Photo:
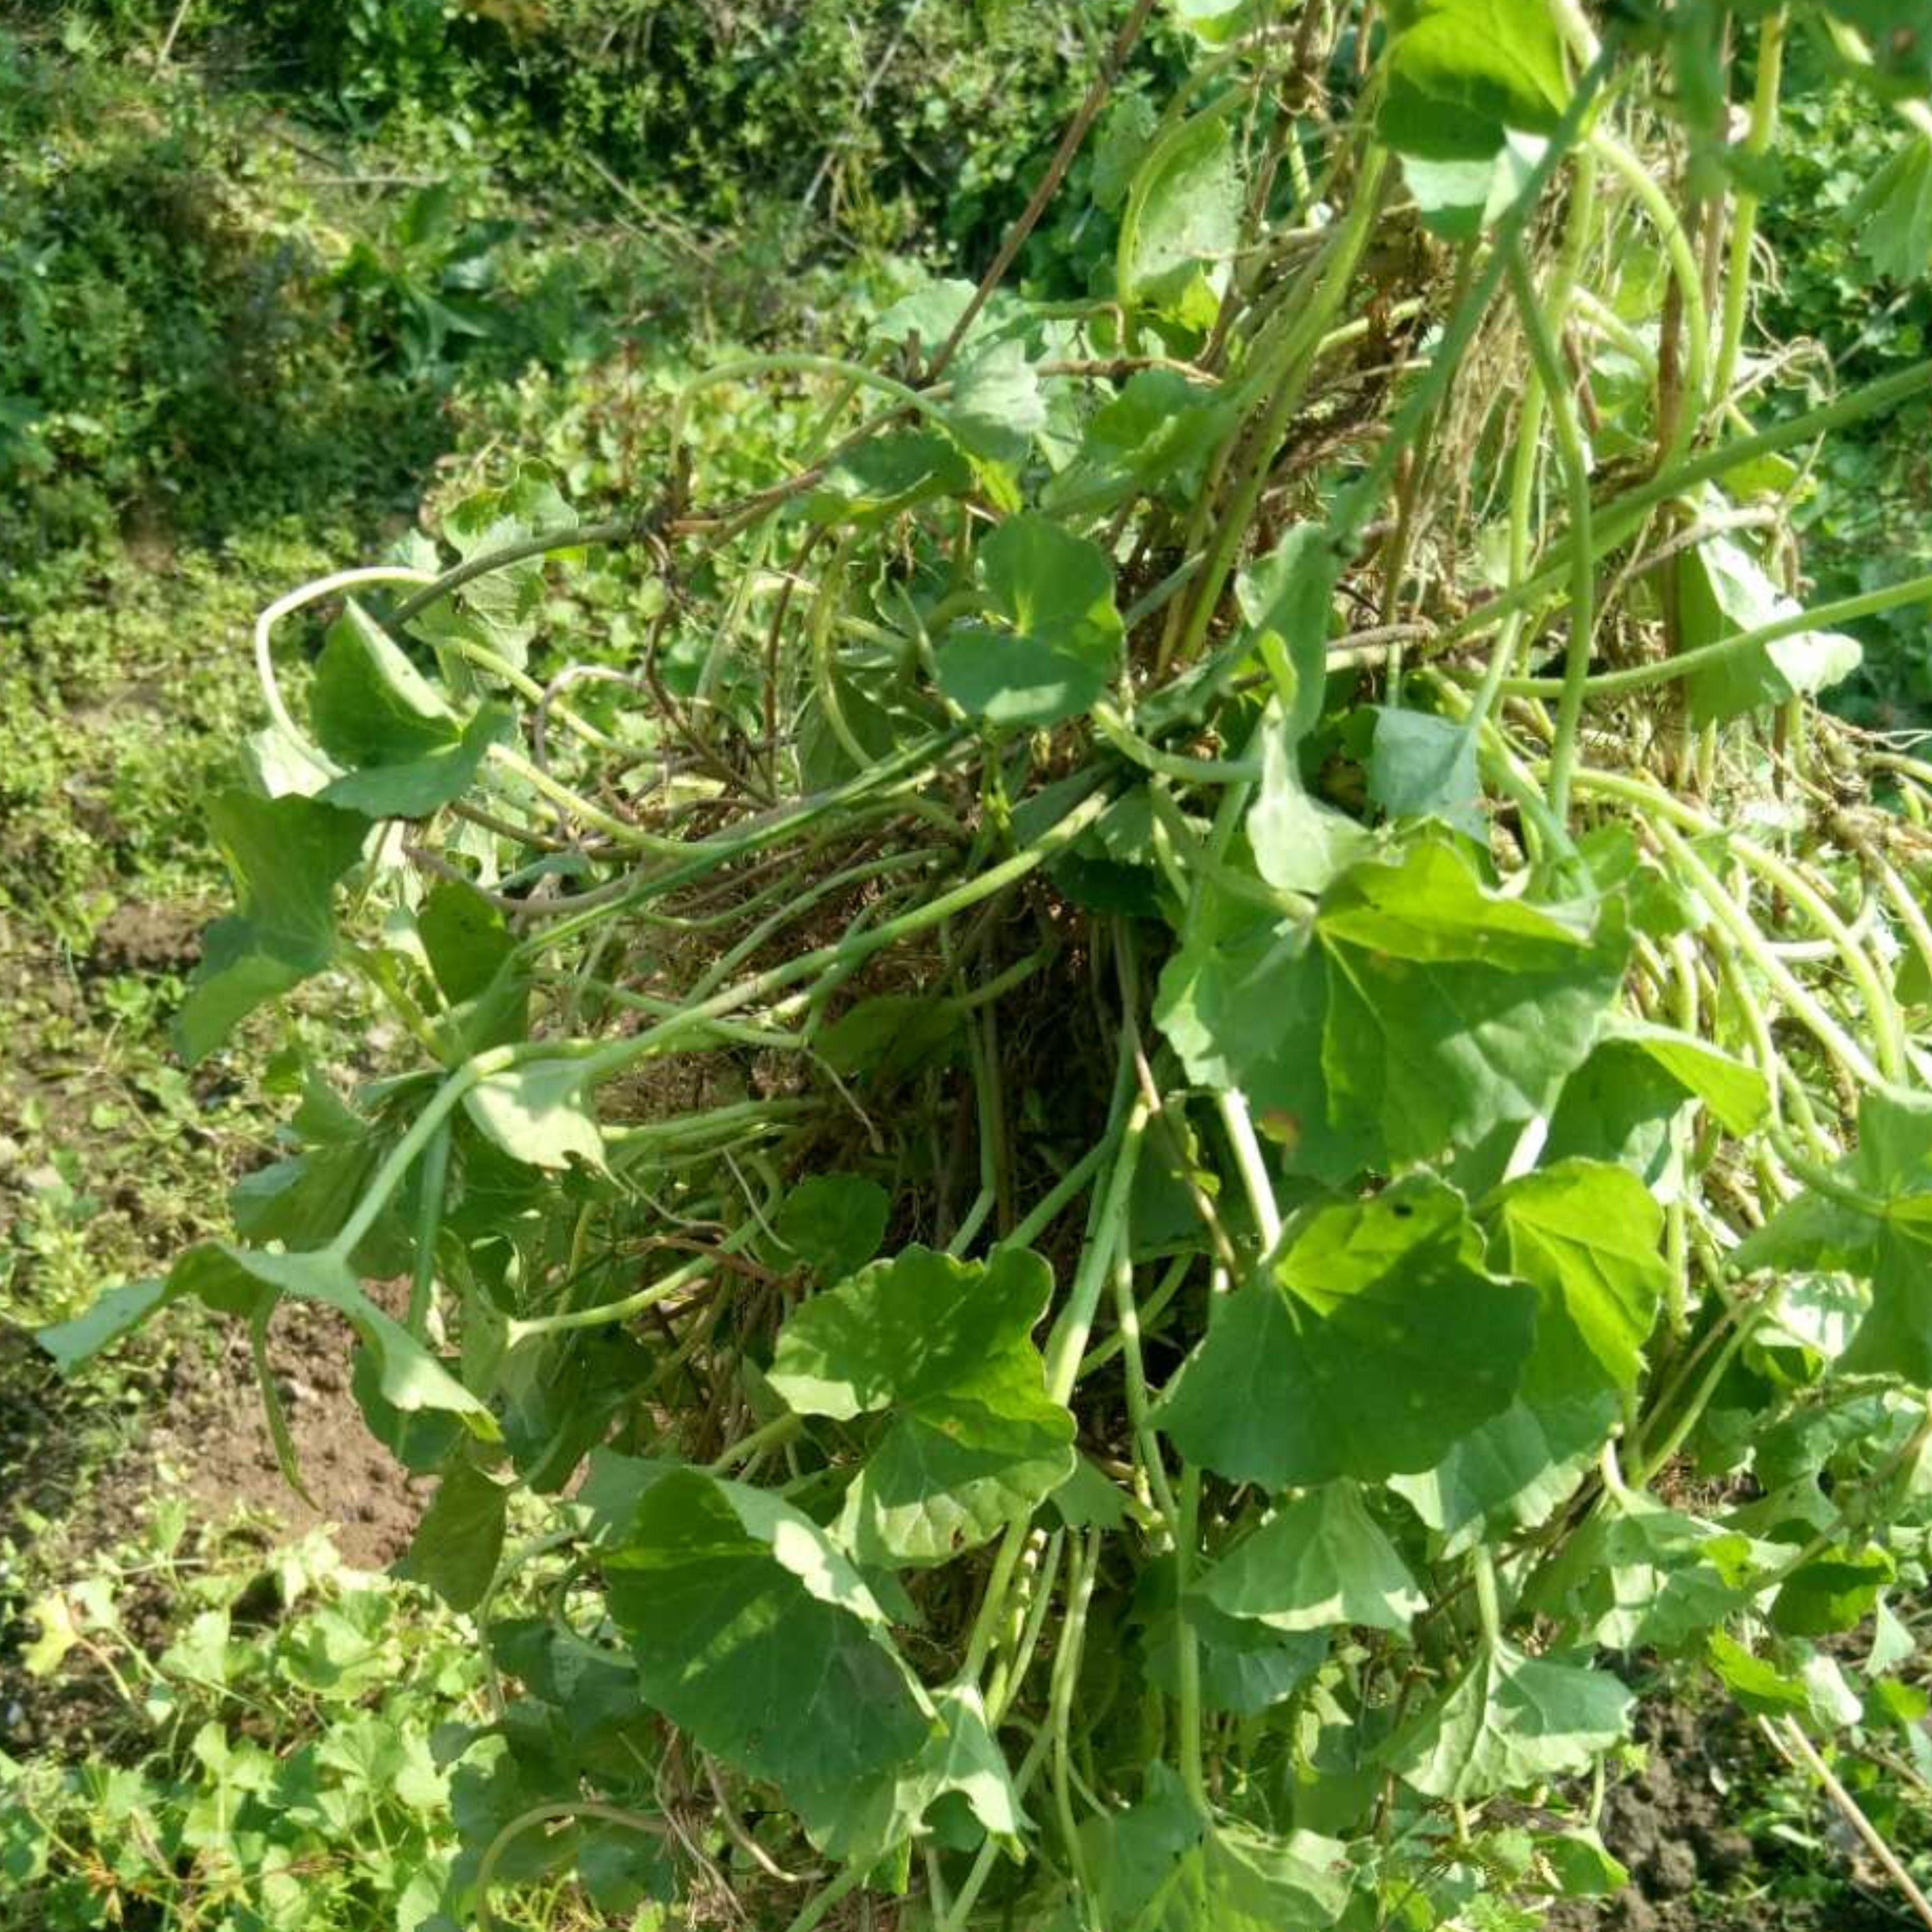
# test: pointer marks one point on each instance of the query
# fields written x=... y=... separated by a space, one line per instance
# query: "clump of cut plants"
x=1160 y=1121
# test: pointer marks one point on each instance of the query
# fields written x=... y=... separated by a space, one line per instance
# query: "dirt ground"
x=1674 y=1828
x=206 y=1435
x=198 y=1432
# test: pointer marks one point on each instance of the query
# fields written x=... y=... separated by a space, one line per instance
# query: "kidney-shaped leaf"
x=1510 y=1721
x=1056 y=592
x=975 y=1440
x=1374 y=1340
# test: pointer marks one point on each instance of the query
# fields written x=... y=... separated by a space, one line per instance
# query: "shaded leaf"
x=456 y=1546
x=834 y=1223
x=753 y=1632
x=1425 y=767
x=1056 y=591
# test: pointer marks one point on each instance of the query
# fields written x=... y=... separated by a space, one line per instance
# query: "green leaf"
x=539 y=1113
x=417 y=788
x=620 y=1867
x=952 y=1470
x=753 y=1633
x=506 y=601
x=891 y=1036
x=1724 y=591
x=1582 y=1867
x=928 y=316
x=1125 y=129
x=456 y=1545
x=1621 y=1105
x=1418 y=1011
x=407 y=750
x=369 y=705
x=1457 y=199
x=1089 y=1500
x=410 y=1377
x=1056 y=593
x=1300 y=844
x=1892 y=220
x=1215 y=22
x=1155 y=437
x=922 y=1324
x=997 y=408
x=961 y=1756
x=115 y=1312
x=1463 y=72
x=1425 y=767
x=1891 y=1169
x=467 y=939
x=975 y=1441
x=285 y=855
x=1160 y=1867
x=1516 y=1470
x=1591 y=1235
x=1757 y=1684
x=1183 y=221
x=1428 y=907
x=887 y=476
x=472 y=953
x=1287 y=598
x=1738 y=1096
x=1508 y=1722
x=1895 y=1339
x=1835 y=1591
x=1451 y=1009
x=1645 y=1576
x=1373 y=1342
x=834 y=1223
x=304 y=1201
x=1318 y=1561
x=1244 y=1666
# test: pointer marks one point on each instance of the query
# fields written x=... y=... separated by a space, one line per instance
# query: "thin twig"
x=1790 y=1737
x=1049 y=183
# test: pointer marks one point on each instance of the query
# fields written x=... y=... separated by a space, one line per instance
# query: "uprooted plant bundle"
x=1153 y=1124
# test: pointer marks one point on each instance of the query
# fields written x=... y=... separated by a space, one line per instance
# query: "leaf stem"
x=1725 y=650
x=1562 y=411
x=1763 y=129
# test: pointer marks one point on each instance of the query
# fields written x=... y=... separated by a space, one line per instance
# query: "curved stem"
x=310 y=593
x=1758 y=139
x=1684 y=272
x=1562 y=408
